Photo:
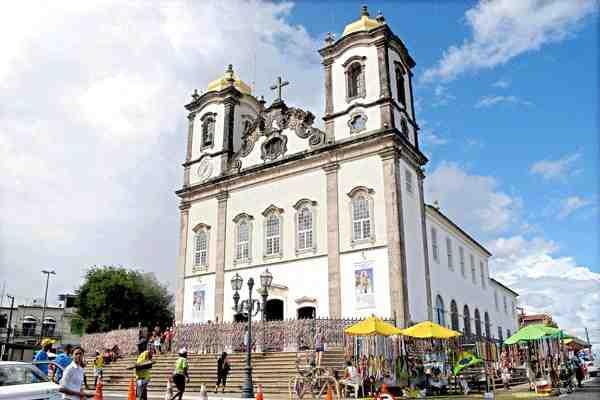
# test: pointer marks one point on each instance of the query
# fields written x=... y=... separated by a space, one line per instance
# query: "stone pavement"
x=590 y=391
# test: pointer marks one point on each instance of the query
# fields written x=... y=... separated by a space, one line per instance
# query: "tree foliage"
x=113 y=297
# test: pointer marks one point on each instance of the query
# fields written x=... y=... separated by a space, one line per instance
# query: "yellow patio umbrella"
x=429 y=330
x=372 y=326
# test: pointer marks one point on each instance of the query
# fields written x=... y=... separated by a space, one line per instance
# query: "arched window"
x=454 y=315
x=486 y=318
x=362 y=214
x=29 y=325
x=467 y=321
x=208 y=130
x=273 y=222
x=477 y=323
x=400 y=87
x=305 y=233
x=243 y=238
x=355 y=77
x=48 y=326
x=404 y=128
x=201 y=241
x=439 y=311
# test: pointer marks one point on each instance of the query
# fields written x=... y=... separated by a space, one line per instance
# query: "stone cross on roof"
x=277 y=86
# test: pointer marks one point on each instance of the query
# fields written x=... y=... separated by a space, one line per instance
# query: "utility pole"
x=587 y=336
x=8 y=329
x=48 y=273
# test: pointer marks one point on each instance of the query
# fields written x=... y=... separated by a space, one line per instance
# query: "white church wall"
x=339 y=77
x=450 y=284
x=283 y=193
x=244 y=111
x=367 y=172
x=208 y=168
x=413 y=240
x=203 y=211
x=377 y=299
x=199 y=298
x=292 y=280
x=219 y=109
x=394 y=57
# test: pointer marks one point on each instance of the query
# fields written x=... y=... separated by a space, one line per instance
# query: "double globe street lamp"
x=251 y=307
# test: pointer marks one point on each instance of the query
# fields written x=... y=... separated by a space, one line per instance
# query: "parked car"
x=592 y=367
x=23 y=381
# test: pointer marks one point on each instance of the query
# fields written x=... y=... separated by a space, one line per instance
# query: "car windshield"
x=20 y=374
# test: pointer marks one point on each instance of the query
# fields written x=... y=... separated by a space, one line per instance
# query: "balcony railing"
x=29 y=334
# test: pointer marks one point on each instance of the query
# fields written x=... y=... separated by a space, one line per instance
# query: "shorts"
x=320 y=349
x=179 y=381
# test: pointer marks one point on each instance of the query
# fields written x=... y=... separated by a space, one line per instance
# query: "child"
x=98 y=367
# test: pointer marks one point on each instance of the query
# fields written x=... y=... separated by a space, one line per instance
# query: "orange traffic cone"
x=260 y=395
x=329 y=395
x=98 y=395
x=131 y=390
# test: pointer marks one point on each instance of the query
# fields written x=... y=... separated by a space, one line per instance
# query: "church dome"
x=364 y=23
x=225 y=81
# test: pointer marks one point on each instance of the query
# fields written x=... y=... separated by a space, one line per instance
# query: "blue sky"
x=556 y=114
x=92 y=128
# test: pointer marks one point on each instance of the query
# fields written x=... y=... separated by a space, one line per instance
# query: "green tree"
x=113 y=297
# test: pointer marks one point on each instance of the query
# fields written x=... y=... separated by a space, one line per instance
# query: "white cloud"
x=555 y=169
x=485 y=211
x=442 y=96
x=547 y=283
x=489 y=101
x=501 y=83
x=572 y=204
x=92 y=124
x=504 y=29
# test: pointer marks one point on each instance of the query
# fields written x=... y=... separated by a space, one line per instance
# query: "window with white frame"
x=482 y=269
x=473 y=273
x=201 y=241
x=305 y=219
x=354 y=68
x=513 y=308
x=273 y=227
x=408 y=177
x=208 y=130
x=449 y=250
x=505 y=305
x=496 y=300
x=243 y=238
x=461 y=257
x=361 y=205
x=434 y=245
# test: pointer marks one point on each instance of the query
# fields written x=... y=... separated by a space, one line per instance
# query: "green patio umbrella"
x=534 y=332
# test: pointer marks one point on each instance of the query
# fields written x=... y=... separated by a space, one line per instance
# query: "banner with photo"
x=364 y=288
x=199 y=302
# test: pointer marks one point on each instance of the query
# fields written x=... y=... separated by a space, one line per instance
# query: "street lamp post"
x=48 y=273
x=12 y=304
x=252 y=308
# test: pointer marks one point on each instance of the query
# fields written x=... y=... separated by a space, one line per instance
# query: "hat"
x=46 y=342
x=183 y=350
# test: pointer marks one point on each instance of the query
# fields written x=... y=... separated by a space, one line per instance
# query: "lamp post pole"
x=264 y=294
x=8 y=329
x=48 y=273
x=252 y=307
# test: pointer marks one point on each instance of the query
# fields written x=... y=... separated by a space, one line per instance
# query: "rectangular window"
x=243 y=242
x=273 y=235
x=361 y=218
x=473 y=273
x=449 y=249
x=496 y=300
x=201 y=253
x=400 y=87
x=434 y=245
x=513 y=309
x=305 y=232
x=500 y=333
x=409 y=182
x=461 y=256
x=482 y=268
x=505 y=305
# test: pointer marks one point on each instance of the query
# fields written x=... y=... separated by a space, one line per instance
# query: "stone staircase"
x=272 y=370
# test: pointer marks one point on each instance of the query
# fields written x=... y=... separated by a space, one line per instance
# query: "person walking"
x=98 y=367
x=181 y=375
x=73 y=378
x=222 y=371
x=319 y=348
x=143 y=364
x=41 y=357
x=142 y=343
x=63 y=360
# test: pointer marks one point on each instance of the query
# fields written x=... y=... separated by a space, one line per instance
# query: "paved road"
x=590 y=391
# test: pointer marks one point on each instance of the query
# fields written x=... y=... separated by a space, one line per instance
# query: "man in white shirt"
x=72 y=378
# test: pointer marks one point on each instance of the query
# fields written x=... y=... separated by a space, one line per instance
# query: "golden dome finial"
x=229 y=79
x=364 y=23
x=365 y=11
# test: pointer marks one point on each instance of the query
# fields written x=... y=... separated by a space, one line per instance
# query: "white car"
x=592 y=367
x=23 y=381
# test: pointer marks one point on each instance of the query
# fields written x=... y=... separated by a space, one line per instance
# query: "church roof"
x=225 y=81
x=364 y=23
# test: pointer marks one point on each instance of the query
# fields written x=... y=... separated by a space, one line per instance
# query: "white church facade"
x=336 y=215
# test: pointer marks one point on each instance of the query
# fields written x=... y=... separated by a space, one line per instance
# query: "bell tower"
x=368 y=81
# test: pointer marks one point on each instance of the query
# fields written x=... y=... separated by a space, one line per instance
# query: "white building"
x=337 y=216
